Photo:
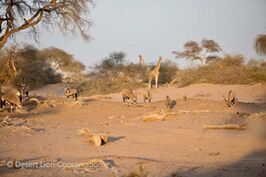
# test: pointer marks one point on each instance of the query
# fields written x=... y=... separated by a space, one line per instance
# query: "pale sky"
x=157 y=27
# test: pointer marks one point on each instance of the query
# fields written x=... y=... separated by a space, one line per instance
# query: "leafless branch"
x=67 y=15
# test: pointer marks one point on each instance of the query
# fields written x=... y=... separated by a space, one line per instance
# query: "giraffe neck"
x=157 y=68
x=141 y=60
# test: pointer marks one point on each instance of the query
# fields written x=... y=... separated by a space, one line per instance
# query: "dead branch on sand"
x=226 y=126
x=141 y=105
x=154 y=117
x=97 y=138
x=260 y=115
x=161 y=116
x=194 y=111
x=158 y=116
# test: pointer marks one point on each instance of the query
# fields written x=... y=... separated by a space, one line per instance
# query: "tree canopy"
x=260 y=44
x=114 y=60
x=62 y=60
x=194 y=51
x=67 y=15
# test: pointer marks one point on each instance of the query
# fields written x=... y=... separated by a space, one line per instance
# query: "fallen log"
x=141 y=105
x=194 y=111
x=226 y=126
x=154 y=117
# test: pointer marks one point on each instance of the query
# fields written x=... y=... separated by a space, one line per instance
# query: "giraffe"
x=155 y=73
x=141 y=60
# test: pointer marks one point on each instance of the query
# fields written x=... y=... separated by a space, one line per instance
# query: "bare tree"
x=67 y=15
x=194 y=51
x=260 y=44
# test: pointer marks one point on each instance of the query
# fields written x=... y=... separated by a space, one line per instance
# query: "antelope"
x=231 y=99
x=24 y=92
x=71 y=92
x=147 y=96
x=127 y=94
x=12 y=97
x=167 y=102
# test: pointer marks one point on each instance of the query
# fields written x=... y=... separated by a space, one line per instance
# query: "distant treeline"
x=40 y=67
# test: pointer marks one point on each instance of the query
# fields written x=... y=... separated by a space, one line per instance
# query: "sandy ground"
x=45 y=139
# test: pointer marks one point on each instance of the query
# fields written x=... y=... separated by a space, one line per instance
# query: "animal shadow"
x=172 y=104
x=113 y=138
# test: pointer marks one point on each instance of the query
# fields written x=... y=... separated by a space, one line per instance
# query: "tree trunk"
x=203 y=61
x=204 y=58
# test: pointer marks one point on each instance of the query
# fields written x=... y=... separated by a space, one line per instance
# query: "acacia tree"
x=260 y=44
x=193 y=51
x=67 y=15
x=112 y=62
x=118 y=58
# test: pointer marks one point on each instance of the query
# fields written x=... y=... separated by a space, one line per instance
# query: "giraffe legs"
x=156 y=77
x=150 y=79
x=156 y=80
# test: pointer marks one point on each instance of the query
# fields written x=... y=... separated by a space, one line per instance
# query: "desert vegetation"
x=122 y=117
x=107 y=77
x=115 y=72
x=260 y=44
x=69 y=17
x=52 y=65
x=204 y=52
x=231 y=69
x=37 y=67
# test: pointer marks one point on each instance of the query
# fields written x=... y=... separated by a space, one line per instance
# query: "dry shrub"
x=227 y=70
x=168 y=71
x=105 y=85
x=103 y=81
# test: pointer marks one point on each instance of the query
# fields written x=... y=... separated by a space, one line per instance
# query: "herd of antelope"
x=13 y=98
